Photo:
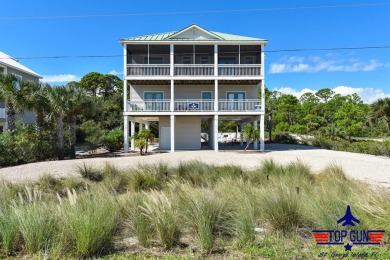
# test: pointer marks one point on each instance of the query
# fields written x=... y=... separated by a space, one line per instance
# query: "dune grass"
x=194 y=210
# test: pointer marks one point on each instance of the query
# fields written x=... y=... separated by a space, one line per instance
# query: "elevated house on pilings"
x=194 y=75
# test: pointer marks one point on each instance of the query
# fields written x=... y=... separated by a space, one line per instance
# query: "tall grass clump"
x=90 y=219
x=90 y=173
x=137 y=221
x=163 y=215
x=282 y=207
x=9 y=230
x=243 y=209
x=204 y=212
x=114 y=179
x=38 y=225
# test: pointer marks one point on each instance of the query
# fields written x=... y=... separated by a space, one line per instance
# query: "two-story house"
x=9 y=65
x=183 y=78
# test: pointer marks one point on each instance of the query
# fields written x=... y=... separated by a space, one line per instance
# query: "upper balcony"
x=194 y=60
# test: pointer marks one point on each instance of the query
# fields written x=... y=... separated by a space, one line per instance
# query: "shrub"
x=90 y=131
x=9 y=230
x=113 y=140
x=284 y=138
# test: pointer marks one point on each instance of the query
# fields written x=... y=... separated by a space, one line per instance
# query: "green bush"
x=284 y=138
x=113 y=140
x=90 y=131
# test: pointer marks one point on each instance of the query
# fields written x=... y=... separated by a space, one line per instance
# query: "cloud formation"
x=115 y=72
x=59 y=78
x=316 y=63
x=368 y=95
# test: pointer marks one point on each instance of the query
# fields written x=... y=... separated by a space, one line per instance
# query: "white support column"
x=241 y=135
x=132 y=131
x=124 y=77
x=262 y=133
x=147 y=125
x=172 y=59
x=140 y=127
x=172 y=95
x=215 y=126
x=216 y=103
x=255 y=146
x=172 y=133
x=126 y=134
x=215 y=60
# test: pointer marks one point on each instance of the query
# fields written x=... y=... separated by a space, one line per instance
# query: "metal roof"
x=11 y=62
x=166 y=36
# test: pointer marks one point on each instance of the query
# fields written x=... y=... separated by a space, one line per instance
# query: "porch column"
x=215 y=126
x=132 y=131
x=125 y=107
x=241 y=135
x=140 y=127
x=255 y=146
x=147 y=125
x=215 y=60
x=172 y=95
x=216 y=96
x=126 y=134
x=172 y=59
x=262 y=133
x=172 y=133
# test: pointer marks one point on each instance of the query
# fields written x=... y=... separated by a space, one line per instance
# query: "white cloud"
x=59 y=78
x=316 y=63
x=115 y=72
x=368 y=95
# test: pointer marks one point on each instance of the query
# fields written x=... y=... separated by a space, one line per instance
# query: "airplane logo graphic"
x=348 y=218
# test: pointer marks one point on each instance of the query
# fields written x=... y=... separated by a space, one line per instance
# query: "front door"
x=153 y=101
x=206 y=100
x=236 y=100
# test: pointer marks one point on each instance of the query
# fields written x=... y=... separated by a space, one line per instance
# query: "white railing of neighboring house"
x=194 y=105
x=239 y=105
x=2 y=113
x=149 y=106
x=194 y=70
x=148 y=70
x=239 y=70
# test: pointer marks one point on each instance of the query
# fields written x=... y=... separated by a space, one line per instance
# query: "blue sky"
x=366 y=71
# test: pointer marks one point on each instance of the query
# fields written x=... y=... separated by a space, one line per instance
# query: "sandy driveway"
x=373 y=169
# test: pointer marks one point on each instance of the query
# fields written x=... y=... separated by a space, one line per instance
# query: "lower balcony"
x=195 y=105
x=2 y=113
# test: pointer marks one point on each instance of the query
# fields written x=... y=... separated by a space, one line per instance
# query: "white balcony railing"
x=239 y=70
x=2 y=113
x=194 y=69
x=139 y=70
x=148 y=70
x=194 y=105
x=239 y=105
x=150 y=106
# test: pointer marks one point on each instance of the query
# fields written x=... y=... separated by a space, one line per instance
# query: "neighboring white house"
x=9 y=65
x=183 y=78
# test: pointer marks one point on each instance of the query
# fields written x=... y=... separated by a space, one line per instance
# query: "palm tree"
x=57 y=99
x=10 y=93
x=250 y=133
x=381 y=109
x=36 y=100
x=77 y=102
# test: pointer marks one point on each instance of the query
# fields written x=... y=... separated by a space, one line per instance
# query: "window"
x=227 y=60
x=204 y=60
x=156 y=60
x=248 y=60
x=20 y=78
x=153 y=101
x=186 y=60
x=2 y=70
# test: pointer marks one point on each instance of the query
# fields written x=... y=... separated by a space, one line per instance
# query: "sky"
x=69 y=28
